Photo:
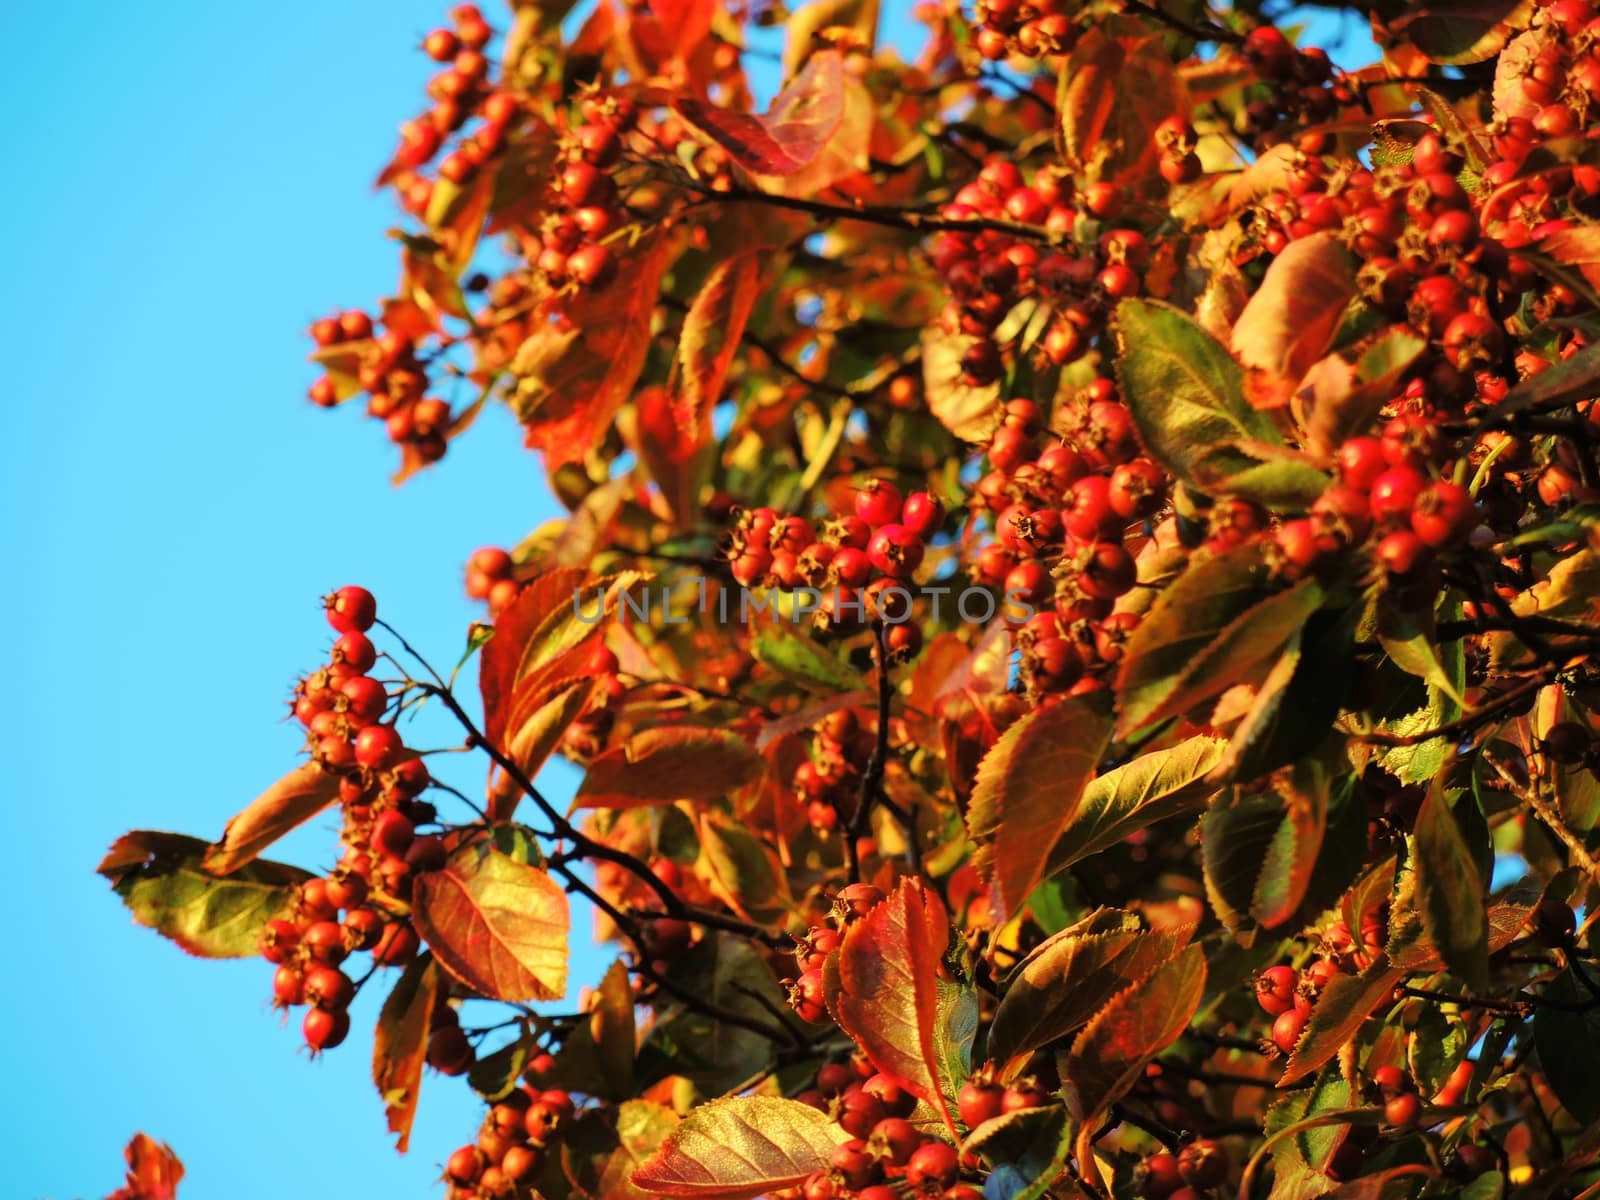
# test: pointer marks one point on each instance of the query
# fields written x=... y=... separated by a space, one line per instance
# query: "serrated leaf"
x=1342 y=1008
x=161 y=879
x=1450 y=891
x=288 y=803
x=889 y=965
x=668 y=763
x=1028 y=788
x=1292 y=853
x=1285 y=482
x=740 y=1147
x=1217 y=621
x=1290 y=321
x=642 y=1125
x=1153 y=787
x=400 y=1045
x=497 y=925
x=1109 y=1056
x=1409 y=638
x=1068 y=978
x=791 y=134
x=1458 y=32
x=1185 y=393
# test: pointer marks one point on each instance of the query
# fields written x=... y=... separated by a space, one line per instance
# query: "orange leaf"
x=498 y=925
x=665 y=764
x=1114 y=91
x=293 y=800
x=1290 y=321
x=792 y=133
x=711 y=334
x=400 y=1044
x=154 y=1171
x=1577 y=247
x=1027 y=791
x=888 y=1000
x=574 y=377
x=741 y=1147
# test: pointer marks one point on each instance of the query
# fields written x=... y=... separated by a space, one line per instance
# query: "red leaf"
x=888 y=1000
x=1290 y=321
x=740 y=1147
x=711 y=333
x=670 y=763
x=293 y=800
x=792 y=133
x=400 y=1044
x=1115 y=88
x=1109 y=1056
x=1577 y=247
x=498 y=925
x=154 y=1171
x=573 y=377
x=1027 y=791
x=519 y=635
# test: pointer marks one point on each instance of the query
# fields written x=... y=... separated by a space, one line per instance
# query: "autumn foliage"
x=1074 y=610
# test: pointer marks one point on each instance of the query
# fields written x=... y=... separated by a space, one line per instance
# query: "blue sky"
x=190 y=185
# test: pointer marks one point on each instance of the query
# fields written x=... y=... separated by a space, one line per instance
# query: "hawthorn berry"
x=351 y=609
x=325 y=1028
x=933 y=1165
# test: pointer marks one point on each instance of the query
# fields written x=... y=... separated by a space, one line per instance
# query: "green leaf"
x=1153 y=787
x=804 y=661
x=1566 y=1032
x=740 y=1147
x=642 y=1125
x=732 y=974
x=1409 y=638
x=1222 y=617
x=1292 y=854
x=1186 y=394
x=400 y=1045
x=1070 y=977
x=1346 y=397
x=1281 y=483
x=497 y=925
x=494 y=1076
x=160 y=878
x=1027 y=792
x=1236 y=836
x=1450 y=890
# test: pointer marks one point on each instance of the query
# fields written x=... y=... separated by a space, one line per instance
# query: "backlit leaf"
x=161 y=879
x=400 y=1046
x=1028 y=789
x=1186 y=394
x=1068 y=978
x=889 y=964
x=711 y=331
x=573 y=377
x=667 y=763
x=739 y=1147
x=1343 y=1006
x=497 y=925
x=291 y=801
x=642 y=1125
x=1109 y=1056
x=1154 y=786
x=1225 y=615
x=967 y=410
x=1290 y=321
x=154 y=1171
x=790 y=135
x=1115 y=87
x=1341 y=398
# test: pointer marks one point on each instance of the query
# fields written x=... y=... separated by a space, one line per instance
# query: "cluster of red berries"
x=1062 y=505
x=380 y=780
x=864 y=561
x=1305 y=88
x=518 y=1137
x=586 y=736
x=807 y=993
x=1196 y=1170
x=491 y=578
x=829 y=780
x=459 y=92
x=571 y=245
x=1029 y=28
x=1557 y=81
x=1288 y=995
x=388 y=367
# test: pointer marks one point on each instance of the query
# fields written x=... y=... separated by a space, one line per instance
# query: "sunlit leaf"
x=291 y=801
x=739 y=1147
x=667 y=763
x=791 y=134
x=1450 y=890
x=497 y=925
x=1290 y=321
x=161 y=879
x=400 y=1047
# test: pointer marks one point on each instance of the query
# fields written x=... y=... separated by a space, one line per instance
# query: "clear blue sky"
x=189 y=185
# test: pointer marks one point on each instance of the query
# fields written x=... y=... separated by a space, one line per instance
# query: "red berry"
x=329 y=987
x=1159 y=1176
x=1023 y=1095
x=351 y=609
x=325 y=1028
x=449 y=1052
x=1394 y=493
x=1275 y=989
x=894 y=1139
x=855 y=1167
x=325 y=942
x=978 y=1102
x=878 y=502
x=1203 y=1163
x=288 y=987
x=1401 y=553
x=464 y=1166
x=1286 y=1030
x=378 y=746
x=392 y=834
x=933 y=1165
x=1391 y=1080
x=1444 y=515
x=859 y=1113
x=922 y=514
x=1403 y=1110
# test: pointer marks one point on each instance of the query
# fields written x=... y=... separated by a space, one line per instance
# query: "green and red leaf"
x=740 y=1147
x=498 y=925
